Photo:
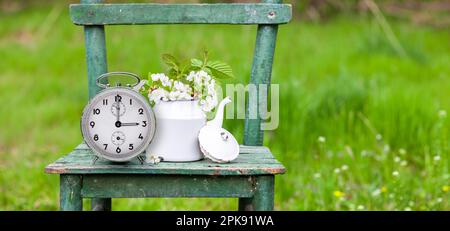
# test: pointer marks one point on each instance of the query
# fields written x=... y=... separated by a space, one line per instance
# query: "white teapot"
x=178 y=124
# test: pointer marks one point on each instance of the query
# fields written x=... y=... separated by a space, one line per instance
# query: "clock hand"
x=129 y=124
x=118 y=111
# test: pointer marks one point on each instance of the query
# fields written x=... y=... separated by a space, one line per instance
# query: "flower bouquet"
x=180 y=98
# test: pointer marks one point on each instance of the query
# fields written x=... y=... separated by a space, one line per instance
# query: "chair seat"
x=252 y=160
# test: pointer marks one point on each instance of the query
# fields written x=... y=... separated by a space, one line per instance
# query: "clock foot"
x=141 y=159
x=94 y=159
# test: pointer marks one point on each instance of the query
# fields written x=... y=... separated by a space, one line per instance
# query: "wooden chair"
x=249 y=178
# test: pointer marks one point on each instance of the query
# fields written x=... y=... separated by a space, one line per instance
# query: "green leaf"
x=220 y=70
x=171 y=61
x=172 y=73
x=196 y=63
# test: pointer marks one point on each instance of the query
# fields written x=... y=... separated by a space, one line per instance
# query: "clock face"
x=118 y=124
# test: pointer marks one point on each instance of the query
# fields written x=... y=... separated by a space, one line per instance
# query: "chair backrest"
x=94 y=15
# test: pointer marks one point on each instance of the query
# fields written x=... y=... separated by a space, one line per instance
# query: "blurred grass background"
x=362 y=126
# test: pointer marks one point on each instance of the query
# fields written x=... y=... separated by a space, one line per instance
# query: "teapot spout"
x=218 y=119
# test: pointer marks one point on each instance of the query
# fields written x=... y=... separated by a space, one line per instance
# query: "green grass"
x=379 y=112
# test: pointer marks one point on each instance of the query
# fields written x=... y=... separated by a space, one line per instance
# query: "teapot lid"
x=218 y=144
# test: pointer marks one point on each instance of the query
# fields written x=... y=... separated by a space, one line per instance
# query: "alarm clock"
x=118 y=123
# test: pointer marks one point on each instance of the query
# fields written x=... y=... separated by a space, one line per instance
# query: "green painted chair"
x=249 y=178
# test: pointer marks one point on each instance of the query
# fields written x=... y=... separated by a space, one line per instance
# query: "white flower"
x=407 y=209
x=202 y=74
x=364 y=153
x=344 y=167
x=395 y=173
x=402 y=151
x=211 y=88
x=166 y=81
x=209 y=103
x=156 y=77
x=377 y=192
x=157 y=95
x=360 y=207
x=173 y=95
x=379 y=137
x=191 y=75
x=397 y=159
x=321 y=139
x=437 y=158
x=403 y=163
x=185 y=96
x=337 y=170
x=386 y=148
x=442 y=113
x=200 y=86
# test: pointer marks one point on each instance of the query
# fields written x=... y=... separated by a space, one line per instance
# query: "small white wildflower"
x=407 y=209
x=386 y=148
x=360 y=207
x=337 y=170
x=395 y=173
x=317 y=175
x=403 y=163
x=439 y=200
x=379 y=137
x=157 y=95
x=173 y=95
x=437 y=158
x=363 y=153
x=156 y=76
x=166 y=82
x=442 y=113
x=376 y=193
x=402 y=151
x=344 y=167
x=191 y=75
x=321 y=139
x=397 y=159
x=185 y=96
x=209 y=103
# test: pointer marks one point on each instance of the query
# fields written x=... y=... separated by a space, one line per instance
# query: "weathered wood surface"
x=260 y=74
x=70 y=192
x=94 y=37
x=238 y=13
x=262 y=199
x=253 y=160
x=140 y=186
x=101 y=204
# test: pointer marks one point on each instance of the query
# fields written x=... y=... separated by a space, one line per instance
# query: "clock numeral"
x=92 y=124
x=131 y=101
x=118 y=150
x=118 y=98
x=144 y=123
x=96 y=111
x=105 y=101
x=95 y=137
x=130 y=147
x=140 y=136
x=106 y=146
x=141 y=111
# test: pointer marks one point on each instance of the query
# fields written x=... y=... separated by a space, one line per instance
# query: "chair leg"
x=70 y=192
x=101 y=204
x=262 y=200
